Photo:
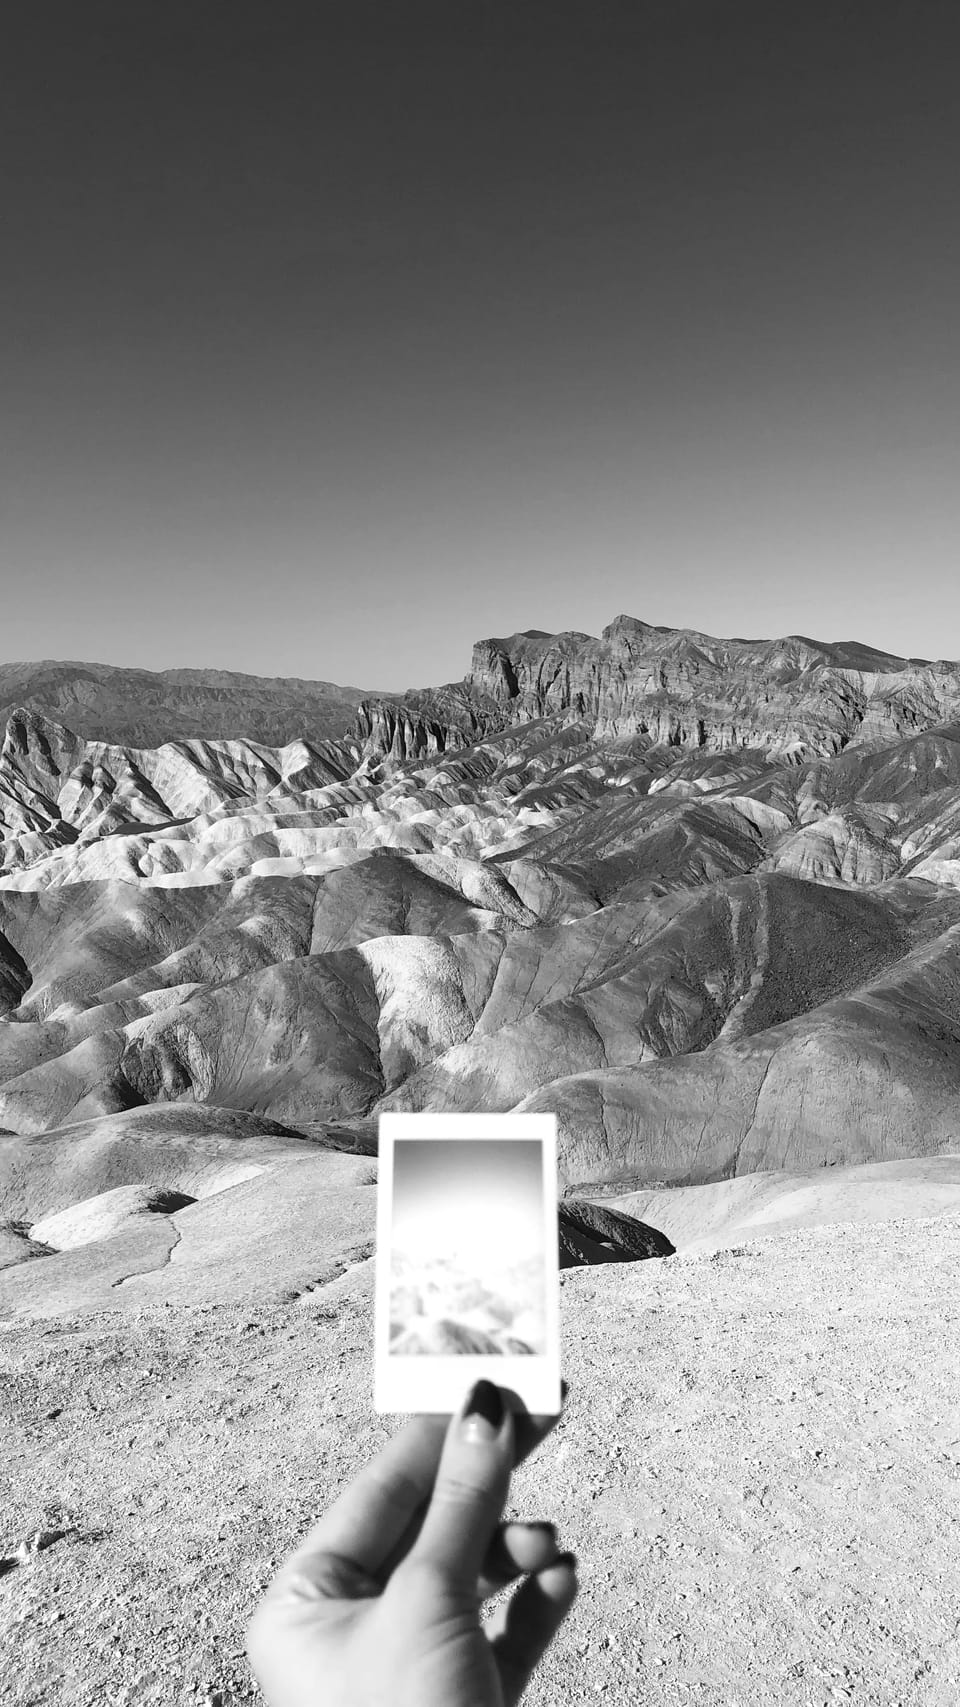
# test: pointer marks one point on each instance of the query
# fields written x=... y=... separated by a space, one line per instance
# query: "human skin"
x=380 y=1604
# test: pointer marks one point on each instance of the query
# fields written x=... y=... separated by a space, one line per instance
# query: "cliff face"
x=796 y=698
x=436 y=720
x=398 y=732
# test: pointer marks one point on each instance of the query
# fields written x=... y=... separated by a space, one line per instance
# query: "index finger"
x=528 y=1432
x=377 y=1517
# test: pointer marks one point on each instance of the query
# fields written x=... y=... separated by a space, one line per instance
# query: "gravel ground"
x=759 y=1468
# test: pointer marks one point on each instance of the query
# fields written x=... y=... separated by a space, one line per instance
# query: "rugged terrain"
x=701 y=898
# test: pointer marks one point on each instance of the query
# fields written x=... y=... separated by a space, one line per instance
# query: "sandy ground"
x=759 y=1468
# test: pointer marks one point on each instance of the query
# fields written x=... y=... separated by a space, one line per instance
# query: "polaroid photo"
x=467 y=1269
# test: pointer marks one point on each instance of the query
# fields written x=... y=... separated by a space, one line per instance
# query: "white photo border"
x=437 y=1385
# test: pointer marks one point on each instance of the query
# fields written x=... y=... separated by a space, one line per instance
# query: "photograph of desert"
x=455 y=1290
x=480 y=634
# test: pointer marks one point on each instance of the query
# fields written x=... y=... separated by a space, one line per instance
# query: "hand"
x=380 y=1606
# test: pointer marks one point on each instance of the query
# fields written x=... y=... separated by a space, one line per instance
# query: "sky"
x=339 y=335
x=479 y=1199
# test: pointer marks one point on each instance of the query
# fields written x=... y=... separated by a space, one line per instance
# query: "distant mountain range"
x=142 y=708
x=793 y=697
x=699 y=897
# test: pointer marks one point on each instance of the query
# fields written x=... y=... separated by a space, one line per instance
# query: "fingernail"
x=484 y=1413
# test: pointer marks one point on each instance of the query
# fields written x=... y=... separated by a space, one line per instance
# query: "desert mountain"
x=700 y=897
x=146 y=707
x=793 y=697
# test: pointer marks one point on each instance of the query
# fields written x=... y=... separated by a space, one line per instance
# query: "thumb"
x=470 y=1490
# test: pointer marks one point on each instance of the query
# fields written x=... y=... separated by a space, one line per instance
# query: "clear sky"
x=479 y=1200
x=338 y=335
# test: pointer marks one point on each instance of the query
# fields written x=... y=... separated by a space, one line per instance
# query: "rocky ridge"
x=795 y=698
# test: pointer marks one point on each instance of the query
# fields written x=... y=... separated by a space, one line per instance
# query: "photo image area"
x=467 y=1259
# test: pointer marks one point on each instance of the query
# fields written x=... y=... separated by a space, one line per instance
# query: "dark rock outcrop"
x=590 y=1234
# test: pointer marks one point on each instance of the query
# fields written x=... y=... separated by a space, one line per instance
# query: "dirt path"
x=759 y=1468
